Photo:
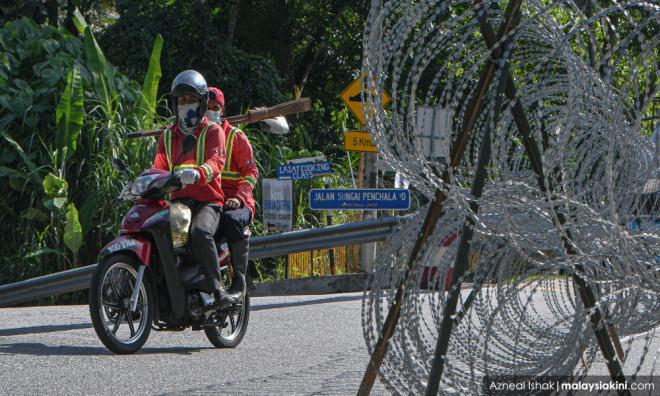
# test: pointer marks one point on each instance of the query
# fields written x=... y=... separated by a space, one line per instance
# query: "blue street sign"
x=303 y=170
x=360 y=199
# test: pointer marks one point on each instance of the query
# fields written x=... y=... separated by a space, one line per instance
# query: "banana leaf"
x=55 y=186
x=87 y=211
x=79 y=21
x=102 y=72
x=72 y=230
x=145 y=104
x=34 y=170
x=70 y=113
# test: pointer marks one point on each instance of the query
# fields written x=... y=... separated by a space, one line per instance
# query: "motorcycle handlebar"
x=172 y=183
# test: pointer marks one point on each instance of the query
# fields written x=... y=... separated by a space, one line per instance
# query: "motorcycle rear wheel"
x=109 y=296
x=233 y=331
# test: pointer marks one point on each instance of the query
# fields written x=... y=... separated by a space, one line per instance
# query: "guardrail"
x=260 y=247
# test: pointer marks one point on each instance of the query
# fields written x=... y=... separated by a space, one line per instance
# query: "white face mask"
x=188 y=117
x=214 y=116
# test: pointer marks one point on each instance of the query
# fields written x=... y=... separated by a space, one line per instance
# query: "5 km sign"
x=359 y=141
x=360 y=199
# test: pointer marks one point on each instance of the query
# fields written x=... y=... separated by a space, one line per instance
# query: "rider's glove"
x=188 y=176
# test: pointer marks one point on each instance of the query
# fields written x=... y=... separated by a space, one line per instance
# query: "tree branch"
x=311 y=54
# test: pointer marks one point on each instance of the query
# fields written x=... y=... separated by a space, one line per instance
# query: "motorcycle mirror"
x=189 y=144
x=277 y=125
x=119 y=165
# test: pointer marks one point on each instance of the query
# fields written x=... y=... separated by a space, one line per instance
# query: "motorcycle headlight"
x=140 y=185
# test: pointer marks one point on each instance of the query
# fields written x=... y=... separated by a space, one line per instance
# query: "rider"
x=239 y=177
x=198 y=171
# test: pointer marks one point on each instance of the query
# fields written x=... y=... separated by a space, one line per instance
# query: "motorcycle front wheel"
x=233 y=324
x=121 y=330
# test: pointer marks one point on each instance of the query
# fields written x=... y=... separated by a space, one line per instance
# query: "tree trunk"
x=52 y=10
x=311 y=54
x=285 y=47
x=231 y=22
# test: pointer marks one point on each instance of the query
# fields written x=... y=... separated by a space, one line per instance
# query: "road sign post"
x=368 y=251
x=328 y=219
x=353 y=96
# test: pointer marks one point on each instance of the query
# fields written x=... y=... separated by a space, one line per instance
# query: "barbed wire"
x=584 y=74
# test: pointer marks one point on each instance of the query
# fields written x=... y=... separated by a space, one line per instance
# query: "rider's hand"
x=233 y=203
x=188 y=176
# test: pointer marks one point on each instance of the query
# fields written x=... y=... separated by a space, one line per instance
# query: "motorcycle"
x=147 y=278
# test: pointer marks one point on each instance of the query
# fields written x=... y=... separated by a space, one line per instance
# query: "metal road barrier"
x=263 y=246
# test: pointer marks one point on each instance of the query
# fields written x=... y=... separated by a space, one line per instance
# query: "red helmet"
x=216 y=95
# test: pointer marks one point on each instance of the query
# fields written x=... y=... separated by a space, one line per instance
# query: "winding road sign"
x=352 y=96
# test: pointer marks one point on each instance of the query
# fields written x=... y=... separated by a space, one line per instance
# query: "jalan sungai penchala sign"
x=303 y=170
x=359 y=199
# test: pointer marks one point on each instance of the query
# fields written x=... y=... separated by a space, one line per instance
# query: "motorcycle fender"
x=139 y=245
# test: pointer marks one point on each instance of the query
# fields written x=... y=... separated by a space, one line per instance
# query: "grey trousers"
x=206 y=218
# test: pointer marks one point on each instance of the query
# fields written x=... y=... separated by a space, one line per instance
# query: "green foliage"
x=56 y=190
x=73 y=230
x=70 y=113
x=65 y=109
x=191 y=42
x=102 y=72
x=26 y=159
x=63 y=113
x=145 y=105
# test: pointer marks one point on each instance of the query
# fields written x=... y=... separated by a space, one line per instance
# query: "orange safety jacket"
x=208 y=159
x=240 y=173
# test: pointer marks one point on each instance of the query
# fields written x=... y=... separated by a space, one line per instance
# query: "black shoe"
x=223 y=300
x=239 y=261
x=238 y=287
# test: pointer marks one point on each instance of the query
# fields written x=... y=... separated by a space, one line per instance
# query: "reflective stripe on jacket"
x=208 y=159
x=240 y=174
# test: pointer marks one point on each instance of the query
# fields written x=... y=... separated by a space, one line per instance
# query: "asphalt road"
x=294 y=345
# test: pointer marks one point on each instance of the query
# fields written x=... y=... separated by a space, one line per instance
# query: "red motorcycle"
x=145 y=280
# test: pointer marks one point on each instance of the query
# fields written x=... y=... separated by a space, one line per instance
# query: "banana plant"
x=103 y=73
x=56 y=189
x=70 y=113
x=145 y=105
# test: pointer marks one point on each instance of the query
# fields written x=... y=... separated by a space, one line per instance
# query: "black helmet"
x=193 y=83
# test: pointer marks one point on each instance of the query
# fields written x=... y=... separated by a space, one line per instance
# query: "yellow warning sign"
x=359 y=141
x=352 y=96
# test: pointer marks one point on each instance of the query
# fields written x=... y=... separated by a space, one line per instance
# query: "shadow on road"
x=80 y=326
x=327 y=300
x=38 y=349
x=44 y=329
